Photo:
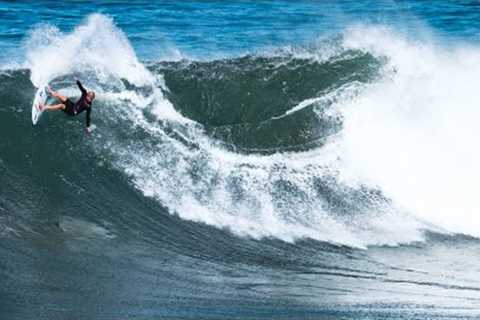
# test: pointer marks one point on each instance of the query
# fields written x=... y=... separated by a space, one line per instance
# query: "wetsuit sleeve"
x=81 y=88
x=88 y=116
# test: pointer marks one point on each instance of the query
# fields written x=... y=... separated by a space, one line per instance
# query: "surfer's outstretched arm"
x=79 y=84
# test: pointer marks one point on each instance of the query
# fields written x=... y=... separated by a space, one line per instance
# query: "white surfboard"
x=40 y=98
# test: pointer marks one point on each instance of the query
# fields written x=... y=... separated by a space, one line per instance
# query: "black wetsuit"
x=81 y=105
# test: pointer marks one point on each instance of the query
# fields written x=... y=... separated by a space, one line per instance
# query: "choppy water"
x=251 y=160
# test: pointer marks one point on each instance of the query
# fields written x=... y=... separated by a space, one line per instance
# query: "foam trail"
x=345 y=92
x=256 y=196
x=302 y=105
x=415 y=134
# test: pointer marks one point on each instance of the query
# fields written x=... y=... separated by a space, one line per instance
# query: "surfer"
x=72 y=108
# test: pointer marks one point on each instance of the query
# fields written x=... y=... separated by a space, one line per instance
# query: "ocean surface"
x=251 y=160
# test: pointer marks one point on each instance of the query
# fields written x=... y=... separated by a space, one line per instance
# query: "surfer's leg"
x=59 y=106
x=61 y=98
x=57 y=95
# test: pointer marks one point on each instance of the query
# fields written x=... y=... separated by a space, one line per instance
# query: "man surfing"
x=71 y=108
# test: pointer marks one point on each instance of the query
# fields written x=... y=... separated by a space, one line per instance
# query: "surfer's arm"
x=79 y=84
x=88 y=117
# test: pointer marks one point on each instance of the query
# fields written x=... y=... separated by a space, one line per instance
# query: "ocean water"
x=252 y=160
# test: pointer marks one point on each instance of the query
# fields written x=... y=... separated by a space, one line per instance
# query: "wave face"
x=185 y=157
x=306 y=177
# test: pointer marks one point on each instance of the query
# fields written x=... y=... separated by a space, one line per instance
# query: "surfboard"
x=40 y=98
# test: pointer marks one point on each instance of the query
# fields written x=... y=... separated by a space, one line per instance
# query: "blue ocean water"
x=216 y=28
x=252 y=160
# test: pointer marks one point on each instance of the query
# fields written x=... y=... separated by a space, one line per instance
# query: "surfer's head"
x=90 y=96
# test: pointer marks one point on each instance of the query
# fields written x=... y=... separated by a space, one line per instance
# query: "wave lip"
x=96 y=44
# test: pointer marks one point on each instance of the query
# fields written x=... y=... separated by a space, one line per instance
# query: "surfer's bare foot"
x=40 y=107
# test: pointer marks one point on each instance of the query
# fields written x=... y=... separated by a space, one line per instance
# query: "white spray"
x=416 y=134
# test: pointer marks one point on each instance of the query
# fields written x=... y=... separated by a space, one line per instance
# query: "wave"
x=413 y=134
x=286 y=145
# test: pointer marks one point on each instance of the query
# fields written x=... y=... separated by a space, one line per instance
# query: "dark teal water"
x=251 y=160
